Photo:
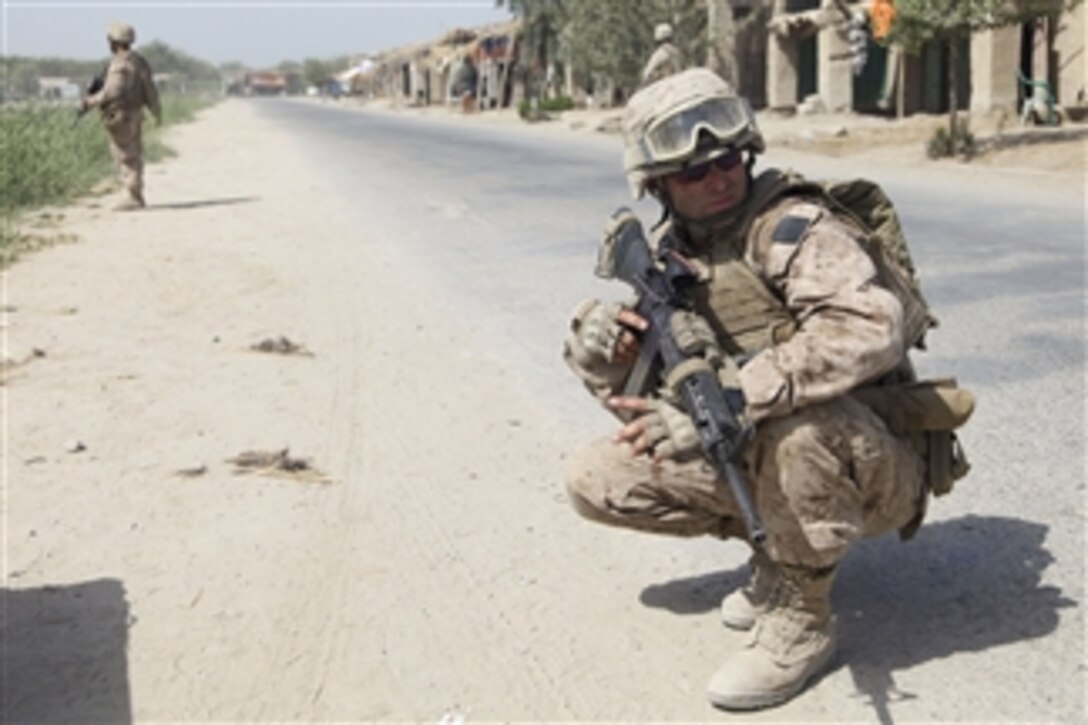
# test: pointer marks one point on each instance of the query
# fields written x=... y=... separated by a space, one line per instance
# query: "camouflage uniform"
x=127 y=88
x=823 y=468
x=664 y=61
x=788 y=283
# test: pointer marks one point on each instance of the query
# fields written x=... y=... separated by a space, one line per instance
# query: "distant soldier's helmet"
x=662 y=32
x=121 y=33
x=684 y=119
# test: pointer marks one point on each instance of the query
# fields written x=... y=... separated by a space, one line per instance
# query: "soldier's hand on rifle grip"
x=627 y=343
x=605 y=333
x=660 y=429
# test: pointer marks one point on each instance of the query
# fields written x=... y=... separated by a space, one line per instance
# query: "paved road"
x=986 y=604
x=442 y=570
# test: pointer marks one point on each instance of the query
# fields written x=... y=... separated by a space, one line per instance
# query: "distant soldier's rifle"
x=93 y=87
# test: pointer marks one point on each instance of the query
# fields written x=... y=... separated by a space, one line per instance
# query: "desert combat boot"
x=789 y=644
x=133 y=202
x=741 y=607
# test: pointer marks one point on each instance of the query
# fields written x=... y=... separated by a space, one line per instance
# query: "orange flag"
x=881 y=15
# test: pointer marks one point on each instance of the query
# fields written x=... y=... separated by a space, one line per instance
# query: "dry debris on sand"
x=280 y=346
x=277 y=463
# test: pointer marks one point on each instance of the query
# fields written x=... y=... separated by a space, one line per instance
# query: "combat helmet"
x=662 y=32
x=666 y=125
x=121 y=33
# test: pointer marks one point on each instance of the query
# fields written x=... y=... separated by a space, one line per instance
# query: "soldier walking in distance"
x=665 y=59
x=127 y=89
x=807 y=329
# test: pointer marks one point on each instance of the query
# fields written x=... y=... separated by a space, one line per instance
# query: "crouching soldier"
x=809 y=327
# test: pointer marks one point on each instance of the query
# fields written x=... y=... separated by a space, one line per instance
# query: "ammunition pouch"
x=926 y=413
x=113 y=119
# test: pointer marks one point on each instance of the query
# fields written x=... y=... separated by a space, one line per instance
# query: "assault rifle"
x=625 y=255
x=93 y=87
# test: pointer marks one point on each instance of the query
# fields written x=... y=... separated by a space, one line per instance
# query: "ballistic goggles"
x=676 y=136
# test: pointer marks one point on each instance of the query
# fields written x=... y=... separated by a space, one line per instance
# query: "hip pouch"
x=114 y=119
x=927 y=413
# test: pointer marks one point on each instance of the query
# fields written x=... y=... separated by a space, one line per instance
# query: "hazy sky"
x=251 y=31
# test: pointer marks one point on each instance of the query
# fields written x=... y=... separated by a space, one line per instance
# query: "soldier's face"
x=699 y=192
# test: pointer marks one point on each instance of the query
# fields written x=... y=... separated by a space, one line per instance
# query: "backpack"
x=926 y=411
x=867 y=204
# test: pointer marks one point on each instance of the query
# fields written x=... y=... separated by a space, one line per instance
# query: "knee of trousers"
x=586 y=479
x=812 y=509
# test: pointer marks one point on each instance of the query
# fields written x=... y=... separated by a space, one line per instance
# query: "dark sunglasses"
x=726 y=162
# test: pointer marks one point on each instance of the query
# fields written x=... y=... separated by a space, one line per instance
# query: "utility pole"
x=721 y=46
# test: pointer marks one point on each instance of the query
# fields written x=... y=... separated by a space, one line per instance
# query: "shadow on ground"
x=63 y=654
x=963 y=585
x=1033 y=137
x=200 y=203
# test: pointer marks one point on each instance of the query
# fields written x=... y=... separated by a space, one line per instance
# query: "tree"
x=721 y=53
x=951 y=22
x=609 y=40
x=166 y=59
x=315 y=72
x=542 y=21
x=23 y=81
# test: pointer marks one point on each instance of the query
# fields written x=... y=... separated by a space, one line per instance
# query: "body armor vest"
x=743 y=310
x=746 y=311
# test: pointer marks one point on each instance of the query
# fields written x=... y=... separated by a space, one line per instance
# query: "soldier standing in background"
x=126 y=89
x=794 y=316
x=665 y=60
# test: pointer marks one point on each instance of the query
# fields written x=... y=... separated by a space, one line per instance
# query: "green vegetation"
x=20 y=74
x=942 y=145
x=605 y=44
x=46 y=159
x=918 y=22
x=539 y=111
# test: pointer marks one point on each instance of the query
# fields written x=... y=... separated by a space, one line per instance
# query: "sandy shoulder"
x=240 y=593
x=429 y=565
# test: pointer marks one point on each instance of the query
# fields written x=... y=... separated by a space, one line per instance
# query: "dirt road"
x=413 y=557
x=367 y=586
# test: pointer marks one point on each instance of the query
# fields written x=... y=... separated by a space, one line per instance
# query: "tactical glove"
x=669 y=431
x=590 y=349
x=595 y=331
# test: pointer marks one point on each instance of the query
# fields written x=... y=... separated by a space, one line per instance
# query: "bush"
x=943 y=145
x=45 y=158
x=557 y=105
x=538 y=109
